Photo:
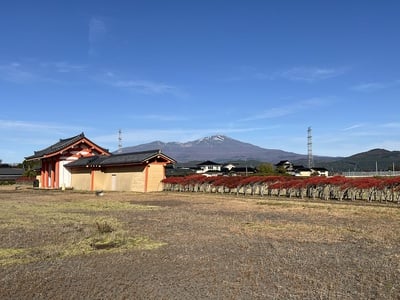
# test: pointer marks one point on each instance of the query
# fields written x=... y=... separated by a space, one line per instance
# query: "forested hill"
x=371 y=160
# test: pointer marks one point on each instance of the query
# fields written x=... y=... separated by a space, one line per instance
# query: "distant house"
x=320 y=171
x=299 y=170
x=180 y=169
x=79 y=163
x=303 y=172
x=306 y=172
x=285 y=164
x=237 y=169
x=9 y=173
x=208 y=167
x=228 y=167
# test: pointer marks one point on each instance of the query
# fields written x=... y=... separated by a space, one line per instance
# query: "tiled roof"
x=63 y=143
x=10 y=173
x=57 y=146
x=127 y=158
x=88 y=161
x=118 y=159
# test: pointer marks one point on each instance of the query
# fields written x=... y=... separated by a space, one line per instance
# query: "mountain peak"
x=217 y=148
x=213 y=138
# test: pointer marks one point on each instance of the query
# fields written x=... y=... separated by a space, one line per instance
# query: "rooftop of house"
x=208 y=163
x=319 y=169
x=9 y=173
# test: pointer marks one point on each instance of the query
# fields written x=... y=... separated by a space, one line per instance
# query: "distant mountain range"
x=372 y=160
x=220 y=148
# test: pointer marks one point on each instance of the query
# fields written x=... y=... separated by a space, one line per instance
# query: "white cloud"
x=355 y=126
x=23 y=126
x=311 y=74
x=285 y=110
x=374 y=86
x=138 y=85
x=168 y=118
x=97 y=32
x=62 y=67
x=38 y=72
x=394 y=125
x=97 y=29
x=147 y=87
x=16 y=73
x=29 y=136
x=306 y=74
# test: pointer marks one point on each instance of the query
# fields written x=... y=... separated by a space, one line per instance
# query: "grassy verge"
x=66 y=228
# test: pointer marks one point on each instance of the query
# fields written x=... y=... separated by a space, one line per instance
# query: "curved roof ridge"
x=61 y=144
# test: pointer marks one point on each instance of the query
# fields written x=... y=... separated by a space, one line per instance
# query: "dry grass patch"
x=325 y=222
x=218 y=247
x=53 y=228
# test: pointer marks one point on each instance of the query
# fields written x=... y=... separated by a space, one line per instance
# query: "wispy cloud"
x=365 y=130
x=394 y=125
x=306 y=74
x=28 y=136
x=147 y=87
x=16 y=73
x=355 y=126
x=375 y=86
x=24 y=126
x=27 y=72
x=285 y=110
x=97 y=32
x=311 y=74
x=368 y=130
x=166 y=118
x=139 y=85
x=243 y=73
x=62 y=67
x=97 y=29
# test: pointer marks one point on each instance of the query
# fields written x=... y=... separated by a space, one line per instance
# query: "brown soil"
x=209 y=247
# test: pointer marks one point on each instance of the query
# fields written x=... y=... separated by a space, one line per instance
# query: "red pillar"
x=42 y=176
x=57 y=185
x=46 y=174
x=52 y=174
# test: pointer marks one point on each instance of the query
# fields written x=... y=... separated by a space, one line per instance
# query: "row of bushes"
x=326 y=188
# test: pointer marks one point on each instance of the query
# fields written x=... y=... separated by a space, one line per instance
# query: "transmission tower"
x=119 y=141
x=309 y=147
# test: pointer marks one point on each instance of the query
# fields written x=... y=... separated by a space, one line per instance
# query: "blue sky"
x=258 y=71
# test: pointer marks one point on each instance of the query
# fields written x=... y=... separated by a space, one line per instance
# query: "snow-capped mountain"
x=217 y=148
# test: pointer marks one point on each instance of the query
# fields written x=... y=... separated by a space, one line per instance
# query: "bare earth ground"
x=71 y=245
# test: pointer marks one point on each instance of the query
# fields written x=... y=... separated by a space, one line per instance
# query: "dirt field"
x=71 y=245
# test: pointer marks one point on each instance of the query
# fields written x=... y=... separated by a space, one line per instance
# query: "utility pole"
x=309 y=148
